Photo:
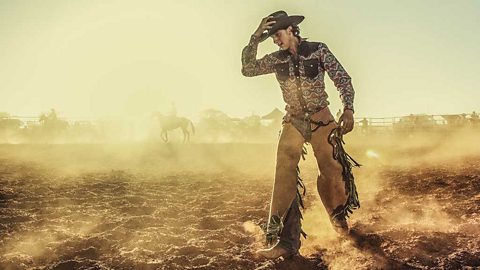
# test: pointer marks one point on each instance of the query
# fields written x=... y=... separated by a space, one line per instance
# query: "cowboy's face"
x=283 y=37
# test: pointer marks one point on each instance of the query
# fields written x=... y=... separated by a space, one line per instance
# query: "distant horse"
x=51 y=127
x=52 y=123
x=168 y=123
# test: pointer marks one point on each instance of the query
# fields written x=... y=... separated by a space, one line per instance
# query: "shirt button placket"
x=299 y=86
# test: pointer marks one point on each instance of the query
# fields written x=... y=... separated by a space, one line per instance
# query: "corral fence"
x=417 y=122
x=363 y=124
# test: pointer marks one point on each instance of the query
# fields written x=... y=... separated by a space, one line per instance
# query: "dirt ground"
x=198 y=206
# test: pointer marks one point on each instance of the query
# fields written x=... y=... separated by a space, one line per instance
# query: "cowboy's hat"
x=282 y=21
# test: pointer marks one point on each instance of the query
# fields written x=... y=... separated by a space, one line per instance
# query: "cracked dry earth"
x=117 y=219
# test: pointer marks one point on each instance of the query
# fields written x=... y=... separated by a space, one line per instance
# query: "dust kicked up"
x=198 y=206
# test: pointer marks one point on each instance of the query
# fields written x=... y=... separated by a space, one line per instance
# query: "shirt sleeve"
x=251 y=66
x=339 y=76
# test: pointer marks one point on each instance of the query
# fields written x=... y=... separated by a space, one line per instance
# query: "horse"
x=171 y=122
x=51 y=127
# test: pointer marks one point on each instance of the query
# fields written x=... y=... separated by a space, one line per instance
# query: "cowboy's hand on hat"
x=265 y=25
x=346 y=121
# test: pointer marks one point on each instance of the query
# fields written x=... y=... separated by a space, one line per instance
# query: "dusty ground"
x=197 y=206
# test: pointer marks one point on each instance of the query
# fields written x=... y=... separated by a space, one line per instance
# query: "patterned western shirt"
x=301 y=77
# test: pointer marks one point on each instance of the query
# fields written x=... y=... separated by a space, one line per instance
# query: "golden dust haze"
x=93 y=186
x=95 y=59
x=150 y=205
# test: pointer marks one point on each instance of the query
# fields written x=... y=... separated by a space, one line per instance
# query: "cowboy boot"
x=339 y=221
x=274 y=252
x=272 y=230
x=287 y=242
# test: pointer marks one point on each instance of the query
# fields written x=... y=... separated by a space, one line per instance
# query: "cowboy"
x=474 y=118
x=364 y=123
x=300 y=66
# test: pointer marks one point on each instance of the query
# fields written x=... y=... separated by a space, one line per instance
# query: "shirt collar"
x=303 y=49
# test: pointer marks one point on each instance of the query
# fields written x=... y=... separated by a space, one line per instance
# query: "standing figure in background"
x=474 y=118
x=364 y=123
x=52 y=115
x=300 y=67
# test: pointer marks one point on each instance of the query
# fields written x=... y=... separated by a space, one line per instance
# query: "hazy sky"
x=112 y=58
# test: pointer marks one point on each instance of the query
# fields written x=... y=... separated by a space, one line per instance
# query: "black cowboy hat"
x=282 y=21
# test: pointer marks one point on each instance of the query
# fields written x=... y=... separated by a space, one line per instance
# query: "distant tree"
x=251 y=128
x=4 y=115
x=216 y=125
x=9 y=127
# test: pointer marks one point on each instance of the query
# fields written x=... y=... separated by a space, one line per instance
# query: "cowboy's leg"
x=292 y=228
x=165 y=136
x=162 y=135
x=283 y=202
x=184 y=135
x=330 y=184
x=289 y=152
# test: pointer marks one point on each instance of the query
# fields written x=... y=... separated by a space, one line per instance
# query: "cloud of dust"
x=425 y=216
x=255 y=231
x=156 y=160
x=383 y=208
x=50 y=235
x=336 y=251
x=420 y=148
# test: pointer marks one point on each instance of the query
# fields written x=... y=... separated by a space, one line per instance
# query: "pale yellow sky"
x=117 y=58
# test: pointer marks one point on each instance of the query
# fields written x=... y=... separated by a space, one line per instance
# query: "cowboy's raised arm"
x=340 y=77
x=250 y=65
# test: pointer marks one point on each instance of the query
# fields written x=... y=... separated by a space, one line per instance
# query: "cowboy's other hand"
x=346 y=121
x=265 y=25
